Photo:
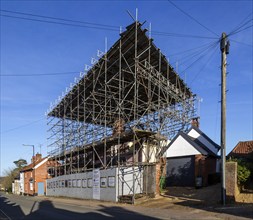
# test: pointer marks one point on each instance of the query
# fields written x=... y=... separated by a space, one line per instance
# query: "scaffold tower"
x=122 y=111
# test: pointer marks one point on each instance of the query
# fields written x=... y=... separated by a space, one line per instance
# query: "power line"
x=241 y=23
x=22 y=126
x=61 y=23
x=192 y=17
x=61 y=19
x=201 y=56
x=77 y=23
x=239 y=42
x=199 y=52
x=205 y=64
x=240 y=30
x=185 y=51
x=40 y=74
x=180 y=35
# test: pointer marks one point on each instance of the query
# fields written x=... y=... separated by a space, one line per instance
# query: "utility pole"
x=224 y=47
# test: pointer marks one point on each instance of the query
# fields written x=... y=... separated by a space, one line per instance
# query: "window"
x=78 y=183
x=84 y=183
x=103 y=182
x=111 y=181
x=90 y=182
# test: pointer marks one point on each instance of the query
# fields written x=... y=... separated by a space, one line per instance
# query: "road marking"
x=5 y=214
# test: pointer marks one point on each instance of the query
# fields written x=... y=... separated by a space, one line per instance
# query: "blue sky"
x=32 y=47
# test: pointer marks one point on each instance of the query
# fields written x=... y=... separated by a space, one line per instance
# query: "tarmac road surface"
x=25 y=207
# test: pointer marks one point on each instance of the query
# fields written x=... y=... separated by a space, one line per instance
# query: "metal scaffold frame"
x=122 y=110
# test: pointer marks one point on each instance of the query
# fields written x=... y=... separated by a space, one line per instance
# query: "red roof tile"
x=30 y=166
x=242 y=149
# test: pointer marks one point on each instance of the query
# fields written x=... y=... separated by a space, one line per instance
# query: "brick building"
x=243 y=150
x=35 y=175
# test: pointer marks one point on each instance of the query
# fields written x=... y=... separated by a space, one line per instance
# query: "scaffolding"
x=122 y=110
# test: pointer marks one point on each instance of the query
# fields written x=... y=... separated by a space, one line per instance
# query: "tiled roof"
x=30 y=166
x=242 y=149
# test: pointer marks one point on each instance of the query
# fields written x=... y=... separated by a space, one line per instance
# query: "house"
x=16 y=185
x=33 y=177
x=243 y=150
x=191 y=156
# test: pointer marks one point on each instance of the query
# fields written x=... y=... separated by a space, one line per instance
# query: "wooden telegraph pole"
x=224 y=47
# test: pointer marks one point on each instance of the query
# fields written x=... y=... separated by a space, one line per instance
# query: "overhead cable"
x=192 y=18
x=83 y=24
x=205 y=64
x=242 y=23
x=22 y=126
x=180 y=35
x=61 y=23
x=61 y=19
x=41 y=74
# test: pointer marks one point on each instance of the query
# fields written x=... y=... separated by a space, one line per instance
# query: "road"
x=45 y=208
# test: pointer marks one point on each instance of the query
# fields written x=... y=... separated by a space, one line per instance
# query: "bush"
x=243 y=170
x=162 y=182
x=243 y=173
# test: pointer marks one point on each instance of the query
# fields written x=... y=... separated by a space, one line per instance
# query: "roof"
x=203 y=146
x=244 y=149
x=199 y=146
x=92 y=84
x=204 y=135
x=32 y=165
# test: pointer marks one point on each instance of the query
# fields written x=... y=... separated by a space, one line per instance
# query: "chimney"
x=36 y=157
x=118 y=127
x=195 y=122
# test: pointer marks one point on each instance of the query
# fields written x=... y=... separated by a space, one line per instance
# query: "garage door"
x=180 y=171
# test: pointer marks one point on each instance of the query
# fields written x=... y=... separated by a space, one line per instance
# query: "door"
x=180 y=171
x=40 y=189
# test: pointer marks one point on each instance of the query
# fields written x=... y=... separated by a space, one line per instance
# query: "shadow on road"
x=208 y=199
x=6 y=206
x=46 y=210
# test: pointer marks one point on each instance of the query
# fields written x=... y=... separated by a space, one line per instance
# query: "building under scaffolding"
x=112 y=126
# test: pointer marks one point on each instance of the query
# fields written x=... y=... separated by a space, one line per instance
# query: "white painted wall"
x=149 y=153
x=126 y=181
x=193 y=133
x=181 y=148
x=16 y=187
x=22 y=179
x=123 y=184
x=54 y=187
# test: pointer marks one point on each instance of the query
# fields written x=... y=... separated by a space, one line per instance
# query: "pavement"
x=25 y=207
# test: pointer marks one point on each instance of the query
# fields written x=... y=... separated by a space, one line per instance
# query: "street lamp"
x=30 y=145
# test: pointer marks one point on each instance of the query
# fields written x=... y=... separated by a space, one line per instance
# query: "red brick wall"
x=27 y=176
x=158 y=176
x=41 y=175
x=204 y=166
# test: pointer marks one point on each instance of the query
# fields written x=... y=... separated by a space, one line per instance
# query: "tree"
x=20 y=163
x=12 y=173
